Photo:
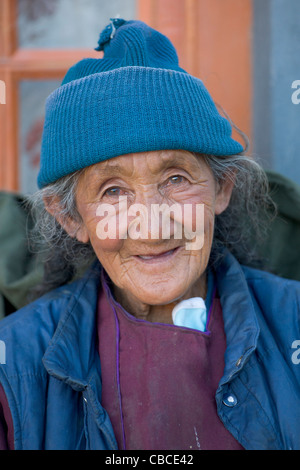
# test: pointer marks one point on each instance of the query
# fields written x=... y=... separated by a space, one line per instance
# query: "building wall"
x=276 y=66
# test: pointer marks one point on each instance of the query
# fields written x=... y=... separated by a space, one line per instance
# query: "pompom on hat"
x=135 y=99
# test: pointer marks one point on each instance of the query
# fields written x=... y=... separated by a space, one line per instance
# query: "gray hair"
x=64 y=257
x=244 y=225
x=241 y=227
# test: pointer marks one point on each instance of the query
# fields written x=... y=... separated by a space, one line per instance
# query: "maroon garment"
x=6 y=424
x=159 y=381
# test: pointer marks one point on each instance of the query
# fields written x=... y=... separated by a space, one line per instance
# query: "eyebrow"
x=115 y=168
x=111 y=169
x=178 y=159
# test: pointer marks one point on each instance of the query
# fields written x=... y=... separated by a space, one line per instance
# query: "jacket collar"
x=239 y=315
x=71 y=355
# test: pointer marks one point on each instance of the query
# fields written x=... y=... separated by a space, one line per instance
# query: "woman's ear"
x=224 y=192
x=73 y=228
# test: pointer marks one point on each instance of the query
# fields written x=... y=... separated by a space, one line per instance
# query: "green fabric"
x=20 y=269
x=282 y=247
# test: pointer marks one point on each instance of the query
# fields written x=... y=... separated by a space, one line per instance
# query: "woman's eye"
x=114 y=191
x=176 y=179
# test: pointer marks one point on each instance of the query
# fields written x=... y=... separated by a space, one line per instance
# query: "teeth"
x=155 y=256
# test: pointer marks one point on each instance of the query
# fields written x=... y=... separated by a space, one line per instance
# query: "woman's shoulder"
x=26 y=333
x=42 y=311
x=49 y=307
x=279 y=285
x=278 y=299
x=261 y=283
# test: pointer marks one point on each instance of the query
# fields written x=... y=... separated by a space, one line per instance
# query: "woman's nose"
x=151 y=217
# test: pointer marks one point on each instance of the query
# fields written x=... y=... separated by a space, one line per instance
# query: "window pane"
x=33 y=95
x=68 y=23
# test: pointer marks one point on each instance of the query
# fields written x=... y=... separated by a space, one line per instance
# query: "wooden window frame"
x=17 y=64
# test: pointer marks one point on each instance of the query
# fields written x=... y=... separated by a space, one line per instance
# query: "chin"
x=161 y=296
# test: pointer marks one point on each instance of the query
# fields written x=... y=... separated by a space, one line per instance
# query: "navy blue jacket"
x=52 y=375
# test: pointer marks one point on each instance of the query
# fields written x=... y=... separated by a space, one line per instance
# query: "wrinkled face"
x=151 y=266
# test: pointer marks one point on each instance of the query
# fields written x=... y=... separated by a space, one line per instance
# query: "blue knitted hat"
x=135 y=99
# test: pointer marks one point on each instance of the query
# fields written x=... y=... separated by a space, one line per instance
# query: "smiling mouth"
x=157 y=257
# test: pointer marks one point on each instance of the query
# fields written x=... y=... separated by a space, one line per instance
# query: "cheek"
x=104 y=242
x=197 y=209
x=109 y=246
x=107 y=251
x=102 y=231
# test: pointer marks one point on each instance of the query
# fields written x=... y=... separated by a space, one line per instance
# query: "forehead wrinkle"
x=131 y=165
x=167 y=159
x=110 y=168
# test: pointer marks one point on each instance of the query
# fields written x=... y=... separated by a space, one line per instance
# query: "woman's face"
x=147 y=265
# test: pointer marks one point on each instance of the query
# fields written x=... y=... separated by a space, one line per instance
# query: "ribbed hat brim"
x=128 y=110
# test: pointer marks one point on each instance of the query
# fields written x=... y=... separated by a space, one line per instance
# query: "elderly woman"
x=151 y=332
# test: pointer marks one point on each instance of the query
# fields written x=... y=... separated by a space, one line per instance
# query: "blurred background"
x=247 y=52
